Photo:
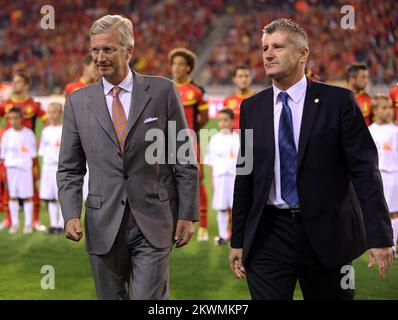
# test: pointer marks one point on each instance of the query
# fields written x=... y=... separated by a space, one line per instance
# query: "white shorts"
x=20 y=183
x=223 y=196
x=390 y=188
x=48 y=182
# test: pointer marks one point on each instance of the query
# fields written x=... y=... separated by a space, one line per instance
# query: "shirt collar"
x=126 y=84
x=295 y=92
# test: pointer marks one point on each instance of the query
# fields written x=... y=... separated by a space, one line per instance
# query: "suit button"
x=126 y=176
x=123 y=203
x=119 y=154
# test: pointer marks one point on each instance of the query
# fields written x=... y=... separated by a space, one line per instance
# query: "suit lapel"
x=99 y=107
x=139 y=100
x=267 y=126
x=311 y=106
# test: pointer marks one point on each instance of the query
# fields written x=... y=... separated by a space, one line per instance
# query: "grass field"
x=198 y=271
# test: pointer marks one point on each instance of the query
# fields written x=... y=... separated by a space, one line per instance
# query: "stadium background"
x=223 y=33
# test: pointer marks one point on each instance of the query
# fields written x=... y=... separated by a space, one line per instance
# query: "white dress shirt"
x=124 y=95
x=296 y=103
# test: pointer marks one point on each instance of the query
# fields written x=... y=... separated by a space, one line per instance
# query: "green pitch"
x=198 y=271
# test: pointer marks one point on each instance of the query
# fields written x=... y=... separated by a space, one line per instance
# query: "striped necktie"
x=119 y=117
x=288 y=154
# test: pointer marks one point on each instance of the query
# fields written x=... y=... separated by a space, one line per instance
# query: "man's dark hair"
x=188 y=55
x=16 y=110
x=352 y=70
x=24 y=76
x=240 y=67
x=228 y=112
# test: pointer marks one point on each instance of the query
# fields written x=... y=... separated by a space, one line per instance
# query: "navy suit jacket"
x=339 y=185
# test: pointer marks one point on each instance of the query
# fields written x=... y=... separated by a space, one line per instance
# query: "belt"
x=293 y=213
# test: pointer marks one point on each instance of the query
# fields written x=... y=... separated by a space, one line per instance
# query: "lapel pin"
x=316 y=100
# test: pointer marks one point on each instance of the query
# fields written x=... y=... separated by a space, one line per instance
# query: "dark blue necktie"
x=288 y=154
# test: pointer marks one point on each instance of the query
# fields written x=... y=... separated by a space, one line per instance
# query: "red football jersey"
x=74 y=86
x=194 y=100
x=234 y=102
x=365 y=104
x=394 y=98
x=30 y=108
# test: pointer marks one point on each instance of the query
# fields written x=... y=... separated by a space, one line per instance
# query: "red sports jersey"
x=394 y=98
x=364 y=101
x=194 y=100
x=234 y=102
x=30 y=108
x=74 y=86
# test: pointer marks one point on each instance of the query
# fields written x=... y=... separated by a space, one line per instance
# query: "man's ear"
x=304 y=54
x=129 y=52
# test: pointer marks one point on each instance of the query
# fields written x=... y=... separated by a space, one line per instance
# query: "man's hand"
x=184 y=232
x=73 y=230
x=384 y=258
x=235 y=262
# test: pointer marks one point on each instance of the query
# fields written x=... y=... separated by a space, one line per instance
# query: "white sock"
x=394 y=223
x=222 y=219
x=28 y=211
x=61 y=221
x=53 y=212
x=14 y=212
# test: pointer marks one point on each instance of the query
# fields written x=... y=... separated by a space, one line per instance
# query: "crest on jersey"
x=190 y=95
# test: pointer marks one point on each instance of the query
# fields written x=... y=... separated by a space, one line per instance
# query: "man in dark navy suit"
x=314 y=199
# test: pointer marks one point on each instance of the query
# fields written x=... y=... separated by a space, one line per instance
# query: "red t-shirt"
x=234 y=102
x=31 y=110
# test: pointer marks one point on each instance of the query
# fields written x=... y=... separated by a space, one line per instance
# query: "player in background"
x=221 y=156
x=357 y=80
x=385 y=135
x=90 y=75
x=242 y=79
x=31 y=110
x=18 y=149
x=182 y=62
x=394 y=98
x=50 y=143
x=6 y=223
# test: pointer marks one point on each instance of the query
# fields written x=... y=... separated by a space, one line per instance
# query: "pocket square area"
x=150 y=120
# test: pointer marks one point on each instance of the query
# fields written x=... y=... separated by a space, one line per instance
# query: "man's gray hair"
x=289 y=26
x=123 y=26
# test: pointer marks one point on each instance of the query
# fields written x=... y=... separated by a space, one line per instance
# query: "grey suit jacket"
x=158 y=194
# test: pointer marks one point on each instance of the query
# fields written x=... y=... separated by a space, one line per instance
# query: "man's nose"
x=269 y=54
x=101 y=56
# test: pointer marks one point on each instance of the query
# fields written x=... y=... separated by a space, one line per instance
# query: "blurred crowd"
x=332 y=49
x=53 y=58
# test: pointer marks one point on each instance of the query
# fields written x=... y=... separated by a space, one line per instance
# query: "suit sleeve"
x=362 y=162
x=243 y=189
x=185 y=167
x=71 y=166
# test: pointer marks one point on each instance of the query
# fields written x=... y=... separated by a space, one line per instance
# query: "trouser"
x=133 y=269
x=281 y=255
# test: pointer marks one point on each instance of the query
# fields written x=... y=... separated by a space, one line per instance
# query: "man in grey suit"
x=136 y=209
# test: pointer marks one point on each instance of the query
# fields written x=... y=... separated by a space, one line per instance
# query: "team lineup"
x=320 y=193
